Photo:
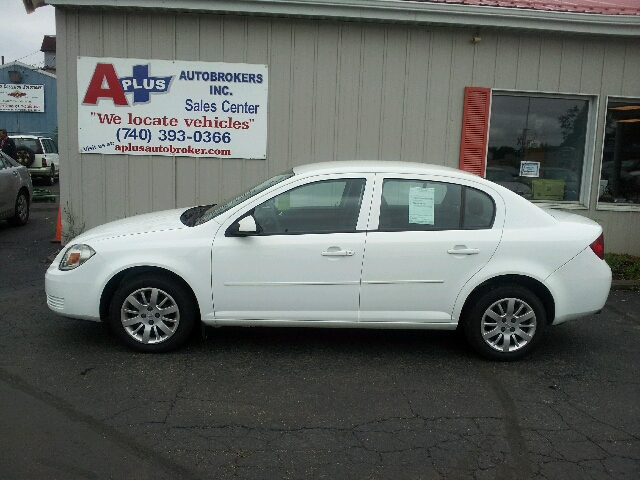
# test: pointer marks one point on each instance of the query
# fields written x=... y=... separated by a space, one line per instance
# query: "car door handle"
x=338 y=253
x=464 y=251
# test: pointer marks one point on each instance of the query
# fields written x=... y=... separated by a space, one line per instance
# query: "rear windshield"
x=31 y=143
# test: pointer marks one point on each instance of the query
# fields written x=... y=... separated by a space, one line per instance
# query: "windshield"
x=216 y=210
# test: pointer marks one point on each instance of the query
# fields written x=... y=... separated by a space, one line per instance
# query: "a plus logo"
x=106 y=84
x=142 y=85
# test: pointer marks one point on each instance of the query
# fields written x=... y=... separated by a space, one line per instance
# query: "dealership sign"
x=16 y=97
x=163 y=107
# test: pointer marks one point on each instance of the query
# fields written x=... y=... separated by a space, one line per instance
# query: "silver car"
x=16 y=191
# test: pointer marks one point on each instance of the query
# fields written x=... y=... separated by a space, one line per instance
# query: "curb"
x=625 y=285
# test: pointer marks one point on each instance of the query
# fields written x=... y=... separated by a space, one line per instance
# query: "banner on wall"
x=163 y=107
x=17 y=97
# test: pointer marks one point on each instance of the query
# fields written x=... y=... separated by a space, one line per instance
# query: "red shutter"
x=475 y=130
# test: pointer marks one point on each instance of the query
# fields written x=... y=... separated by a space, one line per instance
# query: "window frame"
x=586 y=188
x=605 y=206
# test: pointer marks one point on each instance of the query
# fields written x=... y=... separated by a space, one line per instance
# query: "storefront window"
x=537 y=145
x=620 y=174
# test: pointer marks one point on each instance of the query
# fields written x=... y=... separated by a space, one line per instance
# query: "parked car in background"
x=504 y=178
x=16 y=191
x=39 y=155
x=444 y=249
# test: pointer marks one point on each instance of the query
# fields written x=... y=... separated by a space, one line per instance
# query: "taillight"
x=44 y=161
x=598 y=246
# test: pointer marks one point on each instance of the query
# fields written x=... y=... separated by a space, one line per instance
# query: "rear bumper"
x=39 y=171
x=580 y=287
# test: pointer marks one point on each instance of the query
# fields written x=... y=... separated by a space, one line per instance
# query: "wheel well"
x=112 y=286
x=538 y=288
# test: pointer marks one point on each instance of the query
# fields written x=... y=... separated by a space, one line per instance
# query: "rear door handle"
x=464 y=251
x=338 y=253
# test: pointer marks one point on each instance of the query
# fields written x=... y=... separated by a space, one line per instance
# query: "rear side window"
x=417 y=205
x=49 y=146
x=479 y=209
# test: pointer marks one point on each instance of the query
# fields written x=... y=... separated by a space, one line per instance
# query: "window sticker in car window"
x=283 y=202
x=421 y=205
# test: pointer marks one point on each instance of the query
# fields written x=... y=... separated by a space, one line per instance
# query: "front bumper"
x=76 y=293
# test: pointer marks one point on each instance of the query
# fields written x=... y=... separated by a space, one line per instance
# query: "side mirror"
x=244 y=227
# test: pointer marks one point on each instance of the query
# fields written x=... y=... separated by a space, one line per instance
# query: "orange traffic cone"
x=58 y=238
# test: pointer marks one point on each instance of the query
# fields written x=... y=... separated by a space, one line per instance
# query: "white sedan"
x=344 y=244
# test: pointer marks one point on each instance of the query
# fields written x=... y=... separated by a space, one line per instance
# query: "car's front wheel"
x=21 y=215
x=152 y=313
x=506 y=323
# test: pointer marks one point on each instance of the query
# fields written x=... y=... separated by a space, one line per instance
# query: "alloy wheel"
x=23 y=208
x=508 y=325
x=150 y=315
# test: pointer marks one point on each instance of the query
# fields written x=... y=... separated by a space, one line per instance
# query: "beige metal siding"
x=337 y=90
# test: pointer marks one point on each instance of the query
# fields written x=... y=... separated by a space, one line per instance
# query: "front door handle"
x=338 y=253
x=464 y=251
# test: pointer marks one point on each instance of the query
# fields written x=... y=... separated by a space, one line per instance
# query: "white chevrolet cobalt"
x=343 y=244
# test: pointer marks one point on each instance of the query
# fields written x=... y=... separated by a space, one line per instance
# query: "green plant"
x=623 y=266
x=73 y=229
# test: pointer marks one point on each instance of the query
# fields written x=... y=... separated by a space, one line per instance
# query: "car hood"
x=138 y=224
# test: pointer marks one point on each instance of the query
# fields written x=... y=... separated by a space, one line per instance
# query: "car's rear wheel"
x=21 y=215
x=52 y=176
x=506 y=323
x=152 y=313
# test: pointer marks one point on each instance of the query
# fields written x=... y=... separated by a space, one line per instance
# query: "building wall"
x=32 y=122
x=337 y=90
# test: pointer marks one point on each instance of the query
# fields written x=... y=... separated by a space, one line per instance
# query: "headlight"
x=75 y=256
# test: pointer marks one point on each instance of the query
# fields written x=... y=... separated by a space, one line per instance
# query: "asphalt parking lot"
x=286 y=403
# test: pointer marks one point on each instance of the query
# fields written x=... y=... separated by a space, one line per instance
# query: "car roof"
x=354 y=166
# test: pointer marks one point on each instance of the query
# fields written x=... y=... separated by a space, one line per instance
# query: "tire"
x=21 y=215
x=25 y=155
x=152 y=313
x=506 y=323
x=52 y=176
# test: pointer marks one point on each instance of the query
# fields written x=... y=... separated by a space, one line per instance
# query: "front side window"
x=417 y=205
x=620 y=173
x=328 y=206
x=537 y=144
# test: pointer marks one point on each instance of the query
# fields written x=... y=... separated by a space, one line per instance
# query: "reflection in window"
x=548 y=131
x=620 y=174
